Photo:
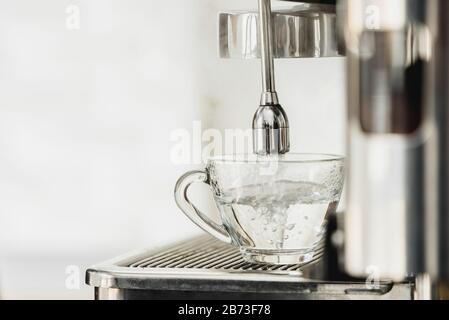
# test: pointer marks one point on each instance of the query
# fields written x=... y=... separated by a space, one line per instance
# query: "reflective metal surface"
x=270 y=123
x=437 y=155
x=204 y=268
x=386 y=141
x=314 y=1
x=269 y=96
x=303 y=31
x=200 y=258
x=271 y=134
x=396 y=222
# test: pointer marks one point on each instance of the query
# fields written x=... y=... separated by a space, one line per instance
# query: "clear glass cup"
x=274 y=208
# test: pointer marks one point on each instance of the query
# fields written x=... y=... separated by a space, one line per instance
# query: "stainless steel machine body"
x=303 y=31
x=397 y=213
x=205 y=268
x=437 y=157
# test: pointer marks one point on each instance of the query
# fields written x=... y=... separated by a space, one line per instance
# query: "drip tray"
x=205 y=268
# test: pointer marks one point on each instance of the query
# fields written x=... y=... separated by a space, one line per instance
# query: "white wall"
x=86 y=117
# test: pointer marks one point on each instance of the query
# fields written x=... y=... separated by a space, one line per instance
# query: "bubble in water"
x=270 y=241
x=274 y=229
x=290 y=226
x=286 y=237
x=279 y=245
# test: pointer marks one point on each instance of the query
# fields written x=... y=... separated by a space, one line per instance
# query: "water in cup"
x=282 y=215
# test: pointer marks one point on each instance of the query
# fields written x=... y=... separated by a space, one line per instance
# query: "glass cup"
x=274 y=208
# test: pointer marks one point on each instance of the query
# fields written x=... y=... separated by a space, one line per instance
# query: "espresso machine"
x=395 y=242
x=397 y=218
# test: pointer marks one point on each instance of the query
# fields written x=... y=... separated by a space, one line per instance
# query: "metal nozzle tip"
x=271 y=131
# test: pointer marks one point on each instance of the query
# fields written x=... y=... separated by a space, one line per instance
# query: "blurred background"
x=91 y=93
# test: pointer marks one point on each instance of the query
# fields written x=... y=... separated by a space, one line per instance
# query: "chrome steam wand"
x=270 y=123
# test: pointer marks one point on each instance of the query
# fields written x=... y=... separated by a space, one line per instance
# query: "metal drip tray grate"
x=206 y=268
x=207 y=253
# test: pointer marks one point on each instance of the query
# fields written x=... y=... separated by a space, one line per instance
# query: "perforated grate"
x=207 y=253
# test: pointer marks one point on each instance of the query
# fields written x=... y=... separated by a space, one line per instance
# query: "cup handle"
x=199 y=218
